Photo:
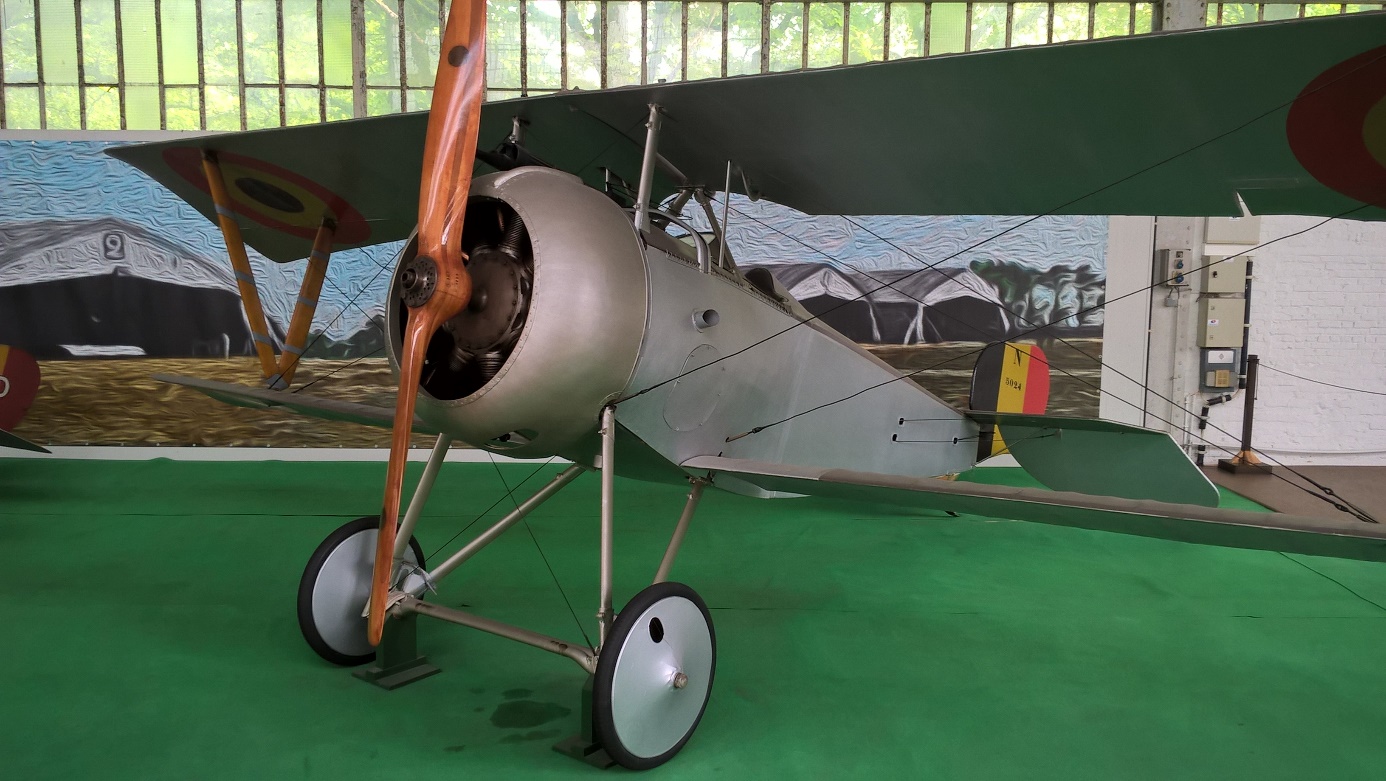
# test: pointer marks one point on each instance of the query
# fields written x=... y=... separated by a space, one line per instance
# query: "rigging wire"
x=511 y=493
x=1321 y=382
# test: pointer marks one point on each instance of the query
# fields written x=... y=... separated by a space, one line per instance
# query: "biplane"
x=553 y=299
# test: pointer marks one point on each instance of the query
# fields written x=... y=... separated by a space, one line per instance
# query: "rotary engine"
x=555 y=324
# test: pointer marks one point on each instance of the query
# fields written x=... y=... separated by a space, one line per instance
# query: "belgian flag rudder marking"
x=1009 y=377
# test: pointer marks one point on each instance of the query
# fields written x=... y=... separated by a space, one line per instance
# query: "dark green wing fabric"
x=1170 y=124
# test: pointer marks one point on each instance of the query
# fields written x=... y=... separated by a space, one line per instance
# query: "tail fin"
x=1009 y=377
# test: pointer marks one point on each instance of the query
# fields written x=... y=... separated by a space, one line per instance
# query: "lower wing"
x=1145 y=518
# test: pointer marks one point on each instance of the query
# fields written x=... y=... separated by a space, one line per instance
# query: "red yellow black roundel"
x=275 y=197
x=19 y=383
x=1337 y=127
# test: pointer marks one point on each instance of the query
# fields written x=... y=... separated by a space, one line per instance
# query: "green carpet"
x=149 y=609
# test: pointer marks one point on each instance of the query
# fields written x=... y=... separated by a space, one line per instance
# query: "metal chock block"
x=397 y=660
x=585 y=745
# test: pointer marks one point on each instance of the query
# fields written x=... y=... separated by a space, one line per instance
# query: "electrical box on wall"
x=1220 y=322
x=1224 y=276
x=1233 y=230
x=1218 y=369
x=1172 y=267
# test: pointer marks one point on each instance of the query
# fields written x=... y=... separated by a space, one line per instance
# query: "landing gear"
x=654 y=676
x=334 y=588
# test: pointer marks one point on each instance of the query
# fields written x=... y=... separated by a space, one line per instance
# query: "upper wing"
x=1175 y=123
x=1182 y=522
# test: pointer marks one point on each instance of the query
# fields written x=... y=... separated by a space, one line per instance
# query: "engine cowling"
x=559 y=306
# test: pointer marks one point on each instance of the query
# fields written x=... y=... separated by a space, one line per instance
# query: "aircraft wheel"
x=335 y=587
x=654 y=676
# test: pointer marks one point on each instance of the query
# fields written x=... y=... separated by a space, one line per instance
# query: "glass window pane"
x=139 y=51
x=336 y=42
x=179 y=19
x=300 y=41
x=664 y=41
x=181 y=108
x=584 y=45
x=223 y=108
x=866 y=42
x=21 y=108
x=623 y=54
x=340 y=104
x=261 y=107
x=17 y=40
x=103 y=105
x=948 y=28
x=1274 y=12
x=704 y=40
x=98 y=42
x=502 y=49
x=1143 y=17
x=219 y=51
x=141 y=103
x=1242 y=13
x=825 y=35
x=906 y=30
x=1320 y=9
x=743 y=38
x=61 y=109
x=1029 y=24
x=1111 y=19
x=544 y=31
x=301 y=106
x=59 y=28
x=420 y=99
x=1070 y=22
x=786 y=36
x=382 y=44
x=260 y=30
x=988 y=26
x=423 y=36
x=382 y=101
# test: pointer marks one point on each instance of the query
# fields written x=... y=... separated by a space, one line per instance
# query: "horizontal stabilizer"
x=1345 y=539
x=19 y=443
x=311 y=406
x=1102 y=457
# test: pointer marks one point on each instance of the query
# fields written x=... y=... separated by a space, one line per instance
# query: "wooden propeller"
x=435 y=283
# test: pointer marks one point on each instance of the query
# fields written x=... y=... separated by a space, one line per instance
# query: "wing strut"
x=277 y=373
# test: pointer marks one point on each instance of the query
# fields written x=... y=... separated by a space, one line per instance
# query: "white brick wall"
x=1318 y=310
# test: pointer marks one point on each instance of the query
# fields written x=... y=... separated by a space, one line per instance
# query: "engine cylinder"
x=556 y=322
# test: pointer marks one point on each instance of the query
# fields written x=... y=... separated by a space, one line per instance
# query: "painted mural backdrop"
x=107 y=278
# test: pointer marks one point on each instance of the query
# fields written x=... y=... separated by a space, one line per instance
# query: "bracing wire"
x=510 y=492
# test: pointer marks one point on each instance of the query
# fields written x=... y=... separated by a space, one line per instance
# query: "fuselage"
x=613 y=311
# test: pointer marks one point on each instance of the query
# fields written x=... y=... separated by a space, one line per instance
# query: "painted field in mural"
x=107 y=278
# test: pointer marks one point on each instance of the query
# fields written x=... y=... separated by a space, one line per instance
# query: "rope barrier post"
x=305 y=306
x=240 y=264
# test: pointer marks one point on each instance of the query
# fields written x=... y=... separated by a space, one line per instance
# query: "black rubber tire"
x=602 y=716
x=310 y=577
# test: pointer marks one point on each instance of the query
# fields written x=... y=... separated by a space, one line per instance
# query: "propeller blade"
x=435 y=282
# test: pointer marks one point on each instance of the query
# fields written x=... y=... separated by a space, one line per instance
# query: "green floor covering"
x=150 y=634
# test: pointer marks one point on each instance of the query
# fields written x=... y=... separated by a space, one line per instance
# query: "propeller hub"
x=418 y=280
